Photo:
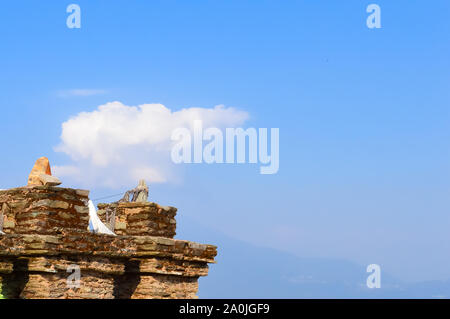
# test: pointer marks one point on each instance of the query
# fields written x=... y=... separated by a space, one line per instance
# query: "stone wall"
x=46 y=232
x=43 y=210
x=139 y=219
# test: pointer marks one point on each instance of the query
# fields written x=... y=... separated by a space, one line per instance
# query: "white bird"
x=95 y=224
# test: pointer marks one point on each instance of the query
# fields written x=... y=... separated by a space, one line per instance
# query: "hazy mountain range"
x=247 y=271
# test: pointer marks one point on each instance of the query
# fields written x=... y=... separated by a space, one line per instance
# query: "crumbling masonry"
x=46 y=238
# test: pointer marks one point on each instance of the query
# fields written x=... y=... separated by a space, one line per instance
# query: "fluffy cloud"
x=116 y=145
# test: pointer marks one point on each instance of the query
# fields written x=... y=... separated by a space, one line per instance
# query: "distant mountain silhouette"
x=247 y=271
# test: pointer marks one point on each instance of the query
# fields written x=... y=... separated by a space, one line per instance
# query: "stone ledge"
x=140 y=204
x=83 y=243
x=75 y=192
x=103 y=265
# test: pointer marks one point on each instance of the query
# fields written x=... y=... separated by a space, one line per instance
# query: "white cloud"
x=66 y=170
x=115 y=145
x=81 y=92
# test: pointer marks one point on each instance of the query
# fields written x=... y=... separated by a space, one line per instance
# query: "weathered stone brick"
x=46 y=233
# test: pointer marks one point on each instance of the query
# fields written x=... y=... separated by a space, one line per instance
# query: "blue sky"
x=363 y=114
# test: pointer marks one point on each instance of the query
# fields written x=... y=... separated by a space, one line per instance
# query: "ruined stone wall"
x=139 y=219
x=46 y=232
x=43 y=210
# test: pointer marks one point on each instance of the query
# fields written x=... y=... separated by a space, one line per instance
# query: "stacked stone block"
x=46 y=234
x=139 y=219
x=43 y=210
